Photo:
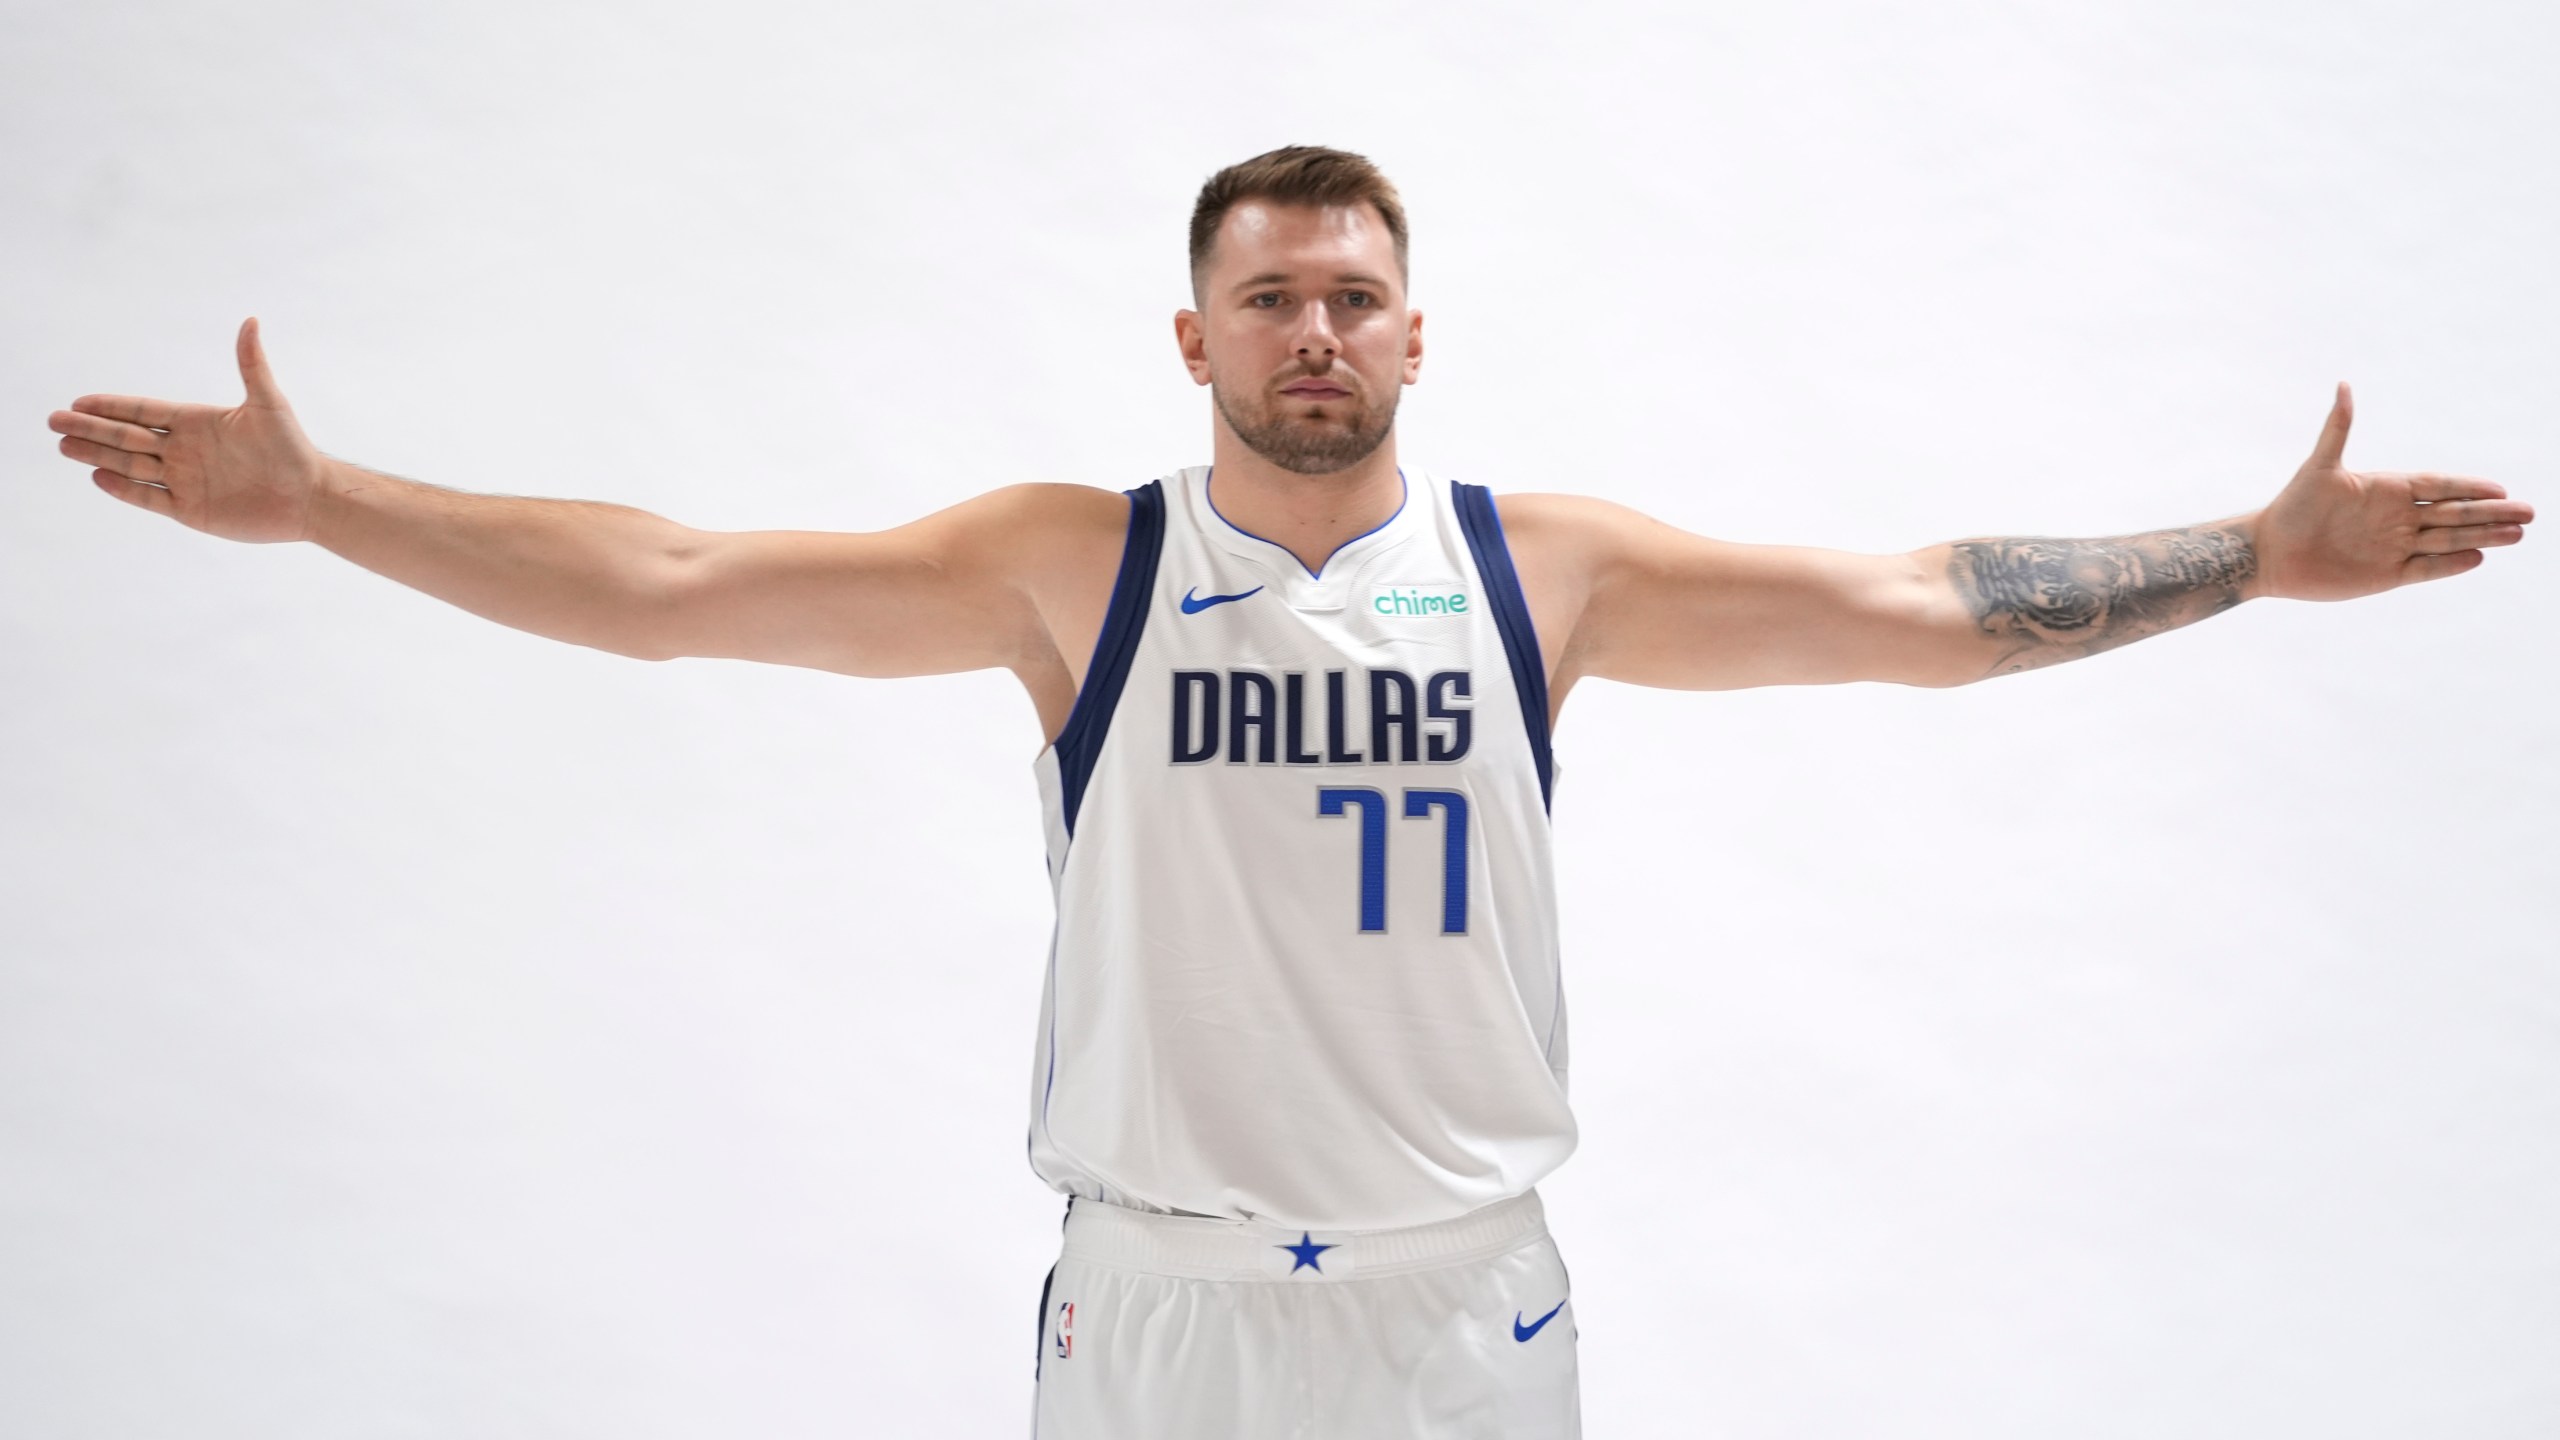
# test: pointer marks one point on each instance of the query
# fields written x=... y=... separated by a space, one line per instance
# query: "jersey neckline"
x=1277 y=554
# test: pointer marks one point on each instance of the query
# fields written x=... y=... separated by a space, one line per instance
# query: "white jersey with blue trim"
x=1305 y=966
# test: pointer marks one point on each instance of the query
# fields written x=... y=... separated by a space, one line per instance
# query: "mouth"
x=1317 y=392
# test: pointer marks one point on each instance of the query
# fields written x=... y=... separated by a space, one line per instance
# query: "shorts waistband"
x=1207 y=1248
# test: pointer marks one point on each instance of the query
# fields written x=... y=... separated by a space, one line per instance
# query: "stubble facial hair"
x=1303 y=445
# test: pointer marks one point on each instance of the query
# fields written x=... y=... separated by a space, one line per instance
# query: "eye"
x=1365 y=299
x=1271 y=295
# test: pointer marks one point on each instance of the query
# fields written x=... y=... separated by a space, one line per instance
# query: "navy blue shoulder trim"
x=1080 y=743
x=1483 y=527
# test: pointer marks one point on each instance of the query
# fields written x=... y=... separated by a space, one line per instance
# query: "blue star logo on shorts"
x=1306 y=1251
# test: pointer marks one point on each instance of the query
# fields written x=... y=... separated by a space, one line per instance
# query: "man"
x=1302 y=1053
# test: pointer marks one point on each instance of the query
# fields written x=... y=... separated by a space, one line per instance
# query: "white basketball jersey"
x=1305 y=963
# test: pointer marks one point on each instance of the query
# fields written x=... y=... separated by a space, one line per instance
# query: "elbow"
x=1943 y=648
x=630 y=652
x=641 y=648
x=1927 y=673
x=654 y=612
x=1962 y=656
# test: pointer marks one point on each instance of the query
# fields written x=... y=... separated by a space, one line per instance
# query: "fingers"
x=122 y=462
x=107 y=432
x=2476 y=512
x=2436 y=567
x=2333 y=436
x=2446 y=539
x=137 y=409
x=134 y=492
x=2450 y=487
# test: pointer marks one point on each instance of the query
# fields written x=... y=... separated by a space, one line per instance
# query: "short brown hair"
x=1294 y=175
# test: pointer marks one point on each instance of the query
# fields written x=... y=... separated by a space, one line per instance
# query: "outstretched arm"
x=976 y=586
x=1652 y=605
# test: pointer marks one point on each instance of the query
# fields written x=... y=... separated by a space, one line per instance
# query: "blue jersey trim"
x=1041 y=1341
x=1483 y=527
x=1318 y=572
x=1079 y=745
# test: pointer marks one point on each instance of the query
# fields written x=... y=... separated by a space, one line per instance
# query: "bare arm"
x=580 y=571
x=975 y=586
x=1651 y=605
x=957 y=590
x=992 y=581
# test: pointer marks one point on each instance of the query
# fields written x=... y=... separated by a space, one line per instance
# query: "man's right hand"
x=243 y=473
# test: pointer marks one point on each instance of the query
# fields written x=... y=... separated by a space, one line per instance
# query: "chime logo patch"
x=1442 y=600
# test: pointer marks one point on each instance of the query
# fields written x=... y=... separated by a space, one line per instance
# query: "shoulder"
x=1039 y=507
x=1029 y=528
x=1551 y=516
x=1576 y=534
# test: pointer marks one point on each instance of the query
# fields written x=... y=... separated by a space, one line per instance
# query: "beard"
x=1324 y=444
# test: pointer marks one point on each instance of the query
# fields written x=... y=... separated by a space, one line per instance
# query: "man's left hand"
x=2335 y=533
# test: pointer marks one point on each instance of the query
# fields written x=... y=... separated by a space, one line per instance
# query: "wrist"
x=331 y=498
x=2252 y=531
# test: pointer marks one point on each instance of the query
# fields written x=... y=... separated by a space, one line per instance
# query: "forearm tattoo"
x=2046 y=601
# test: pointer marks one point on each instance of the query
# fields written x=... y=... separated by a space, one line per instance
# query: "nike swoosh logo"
x=1191 y=606
x=1522 y=1332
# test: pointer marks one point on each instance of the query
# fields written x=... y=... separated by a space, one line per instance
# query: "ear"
x=1412 y=346
x=1194 y=342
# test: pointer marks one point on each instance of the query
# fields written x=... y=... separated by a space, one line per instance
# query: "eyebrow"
x=1275 y=277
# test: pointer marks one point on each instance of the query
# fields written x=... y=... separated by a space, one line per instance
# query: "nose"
x=1315 y=334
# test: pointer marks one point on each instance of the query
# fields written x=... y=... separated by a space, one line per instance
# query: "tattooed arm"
x=1617 y=595
x=2043 y=601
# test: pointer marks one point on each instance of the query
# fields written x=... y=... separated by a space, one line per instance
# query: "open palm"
x=2335 y=533
x=245 y=472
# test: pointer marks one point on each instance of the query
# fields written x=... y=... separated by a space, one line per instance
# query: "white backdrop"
x=411 y=1027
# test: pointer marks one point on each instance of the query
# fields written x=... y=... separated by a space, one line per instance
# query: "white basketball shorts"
x=1179 y=1327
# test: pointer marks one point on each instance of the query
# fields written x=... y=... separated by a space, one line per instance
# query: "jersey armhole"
x=1079 y=745
x=1483 y=526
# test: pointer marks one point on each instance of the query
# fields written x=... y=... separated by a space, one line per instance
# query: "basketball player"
x=1301 y=1056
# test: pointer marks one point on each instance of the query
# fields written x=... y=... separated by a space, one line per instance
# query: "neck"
x=1310 y=516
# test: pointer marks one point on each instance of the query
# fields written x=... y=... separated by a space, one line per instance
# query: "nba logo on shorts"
x=1066 y=1329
